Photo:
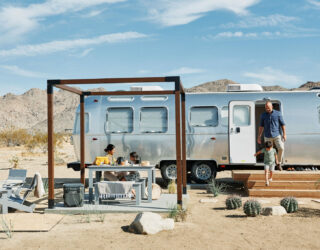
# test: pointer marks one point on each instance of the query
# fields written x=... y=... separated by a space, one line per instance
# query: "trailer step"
x=283 y=193
x=285 y=183
x=297 y=185
x=277 y=175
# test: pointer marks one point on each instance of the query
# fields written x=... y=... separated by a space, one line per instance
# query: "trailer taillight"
x=95 y=100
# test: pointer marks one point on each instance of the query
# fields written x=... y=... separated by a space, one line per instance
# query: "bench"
x=137 y=186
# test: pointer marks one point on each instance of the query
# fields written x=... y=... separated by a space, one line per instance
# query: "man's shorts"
x=269 y=167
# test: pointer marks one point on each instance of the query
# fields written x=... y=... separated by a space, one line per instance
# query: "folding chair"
x=9 y=200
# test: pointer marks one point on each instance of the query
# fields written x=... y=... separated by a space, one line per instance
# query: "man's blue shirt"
x=272 y=123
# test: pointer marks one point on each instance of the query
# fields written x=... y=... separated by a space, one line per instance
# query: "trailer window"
x=86 y=123
x=154 y=120
x=119 y=120
x=204 y=116
x=241 y=115
x=224 y=116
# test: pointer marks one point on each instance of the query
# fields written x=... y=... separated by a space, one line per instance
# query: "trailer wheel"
x=202 y=172
x=169 y=171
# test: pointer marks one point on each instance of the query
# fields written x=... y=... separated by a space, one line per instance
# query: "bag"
x=101 y=160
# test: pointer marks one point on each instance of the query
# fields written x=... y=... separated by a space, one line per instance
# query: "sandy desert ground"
x=208 y=225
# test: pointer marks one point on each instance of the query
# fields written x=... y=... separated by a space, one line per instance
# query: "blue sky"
x=249 y=41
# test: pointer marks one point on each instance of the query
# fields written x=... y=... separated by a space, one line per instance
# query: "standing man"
x=273 y=126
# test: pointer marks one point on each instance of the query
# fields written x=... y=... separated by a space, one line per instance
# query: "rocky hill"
x=29 y=110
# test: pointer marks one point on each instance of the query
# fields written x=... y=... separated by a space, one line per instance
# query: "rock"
x=275 y=210
x=264 y=201
x=208 y=200
x=150 y=223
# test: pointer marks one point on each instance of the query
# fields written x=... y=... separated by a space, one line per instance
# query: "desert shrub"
x=252 y=208
x=14 y=137
x=233 y=202
x=216 y=188
x=290 y=204
x=178 y=213
x=40 y=140
x=14 y=161
x=7 y=227
x=18 y=137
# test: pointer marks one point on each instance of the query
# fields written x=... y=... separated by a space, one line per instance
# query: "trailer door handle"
x=238 y=129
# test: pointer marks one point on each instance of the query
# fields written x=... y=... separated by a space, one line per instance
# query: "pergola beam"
x=70 y=89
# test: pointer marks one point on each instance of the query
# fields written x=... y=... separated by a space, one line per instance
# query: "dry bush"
x=14 y=137
x=40 y=140
x=17 y=137
x=14 y=162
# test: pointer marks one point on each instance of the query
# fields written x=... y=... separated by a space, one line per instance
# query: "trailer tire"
x=202 y=172
x=169 y=171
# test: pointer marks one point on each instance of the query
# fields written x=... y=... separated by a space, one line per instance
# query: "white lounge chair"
x=10 y=199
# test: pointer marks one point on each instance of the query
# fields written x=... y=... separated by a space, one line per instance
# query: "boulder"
x=208 y=200
x=150 y=223
x=275 y=210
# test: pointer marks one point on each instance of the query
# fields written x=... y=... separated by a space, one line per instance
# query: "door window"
x=119 y=120
x=241 y=115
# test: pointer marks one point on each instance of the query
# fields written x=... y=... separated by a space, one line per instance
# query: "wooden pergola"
x=180 y=119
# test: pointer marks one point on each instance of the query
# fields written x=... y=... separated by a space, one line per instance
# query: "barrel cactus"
x=290 y=204
x=252 y=208
x=233 y=202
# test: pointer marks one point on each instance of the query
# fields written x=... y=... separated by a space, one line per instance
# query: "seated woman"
x=110 y=176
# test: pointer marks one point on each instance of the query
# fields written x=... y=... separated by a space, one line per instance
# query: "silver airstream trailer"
x=221 y=128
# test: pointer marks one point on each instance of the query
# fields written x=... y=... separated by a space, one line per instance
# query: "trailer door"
x=242 y=141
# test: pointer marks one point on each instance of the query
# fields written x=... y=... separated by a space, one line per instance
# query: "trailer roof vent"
x=145 y=88
x=244 y=88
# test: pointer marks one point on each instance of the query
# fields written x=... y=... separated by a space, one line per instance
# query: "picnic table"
x=94 y=168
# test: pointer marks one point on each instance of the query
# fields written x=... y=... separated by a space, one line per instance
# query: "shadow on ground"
x=306 y=213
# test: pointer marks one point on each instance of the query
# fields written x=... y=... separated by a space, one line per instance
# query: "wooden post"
x=178 y=147
x=50 y=146
x=82 y=140
x=184 y=153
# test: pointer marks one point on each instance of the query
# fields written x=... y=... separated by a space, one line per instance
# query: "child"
x=270 y=159
x=121 y=175
x=133 y=175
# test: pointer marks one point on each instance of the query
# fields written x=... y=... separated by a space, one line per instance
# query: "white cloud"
x=56 y=46
x=257 y=35
x=271 y=76
x=185 y=71
x=143 y=71
x=22 y=72
x=262 y=21
x=314 y=3
x=85 y=52
x=179 y=12
x=93 y=13
x=17 y=21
